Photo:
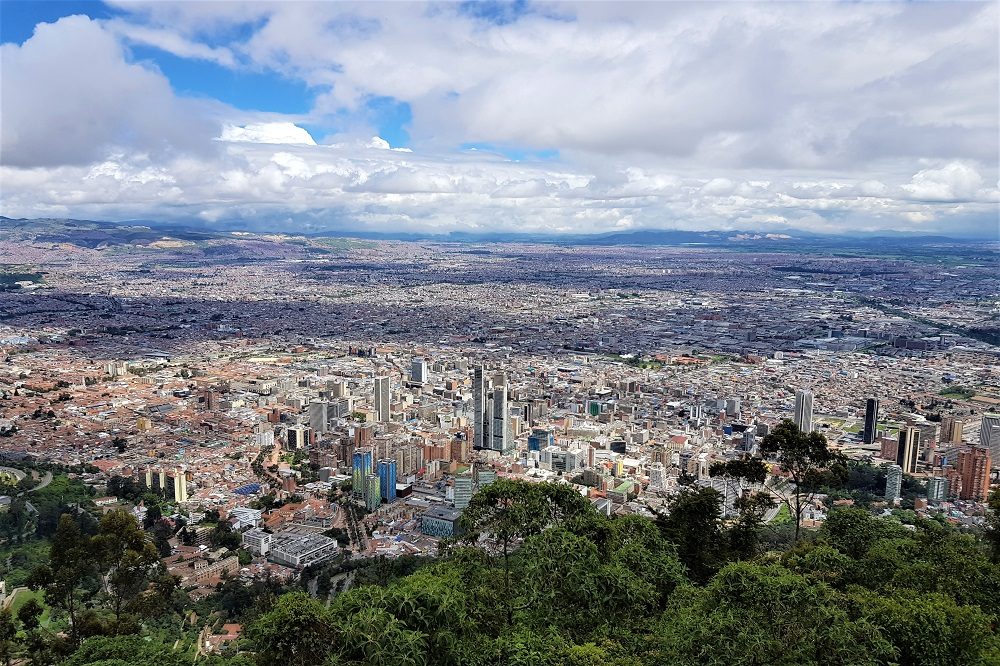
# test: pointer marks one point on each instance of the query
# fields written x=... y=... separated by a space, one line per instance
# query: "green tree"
x=992 y=531
x=70 y=564
x=8 y=635
x=505 y=512
x=297 y=631
x=30 y=614
x=751 y=614
x=741 y=476
x=125 y=556
x=123 y=651
x=929 y=629
x=805 y=458
x=693 y=524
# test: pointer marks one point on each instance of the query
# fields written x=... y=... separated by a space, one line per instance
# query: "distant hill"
x=95 y=233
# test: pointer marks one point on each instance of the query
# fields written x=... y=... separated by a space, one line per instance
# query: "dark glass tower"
x=871 y=421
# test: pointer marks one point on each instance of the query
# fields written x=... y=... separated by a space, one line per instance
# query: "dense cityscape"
x=499 y=333
x=283 y=411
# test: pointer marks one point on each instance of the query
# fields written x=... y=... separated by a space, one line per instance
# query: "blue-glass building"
x=387 y=478
x=539 y=439
x=360 y=468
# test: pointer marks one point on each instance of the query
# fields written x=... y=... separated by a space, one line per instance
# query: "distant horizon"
x=732 y=235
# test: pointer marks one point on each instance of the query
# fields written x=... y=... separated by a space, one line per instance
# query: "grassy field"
x=784 y=516
x=21 y=598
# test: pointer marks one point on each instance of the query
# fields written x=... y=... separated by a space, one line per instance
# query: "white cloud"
x=758 y=116
x=950 y=183
x=70 y=97
x=275 y=132
x=171 y=42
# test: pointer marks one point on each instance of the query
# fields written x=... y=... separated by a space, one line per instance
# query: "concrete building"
x=871 y=421
x=441 y=522
x=299 y=548
x=974 y=468
x=804 y=410
x=989 y=436
x=318 y=415
x=382 y=400
x=462 y=490
x=908 y=449
x=418 y=371
x=257 y=541
x=937 y=489
x=893 y=483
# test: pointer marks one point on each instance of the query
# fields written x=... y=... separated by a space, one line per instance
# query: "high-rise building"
x=733 y=406
x=462 y=491
x=382 y=400
x=480 y=421
x=372 y=492
x=974 y=467
x=500 y=436
x=937 y=489
x=952 y=428
x=418 y=371
x=871 y=421
x=363 y=435
x=460 y=448
x=908 y=449
x=539 y=439
x=657 y=476
x=318 y=415
x=387 y=479
x=298 y=436
x=893 y=483
x=804 y=410
x=361 y=467
x=174 y=485
x=989 y=436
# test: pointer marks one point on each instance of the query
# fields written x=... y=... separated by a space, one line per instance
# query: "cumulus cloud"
x=747 y=116
x=952 y=182
x=69 y=96
x=275 y=132
x=295 y=186
x=756 y=85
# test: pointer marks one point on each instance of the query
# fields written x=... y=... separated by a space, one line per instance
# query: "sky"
x=483 y=117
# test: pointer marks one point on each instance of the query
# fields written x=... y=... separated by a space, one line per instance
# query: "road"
x=46 y=480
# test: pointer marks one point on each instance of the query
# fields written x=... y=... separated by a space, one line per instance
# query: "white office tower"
x=418 y=371
x=382 y=399
x=263 y=435
x=657 y=476
x=989 y=436
x=499 y=433
x=480 y=420
x=804 y=410
x=318 y=415
x=893 y=483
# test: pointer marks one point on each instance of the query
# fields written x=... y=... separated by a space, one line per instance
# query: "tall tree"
x=8 y=635
x=693 y=524
x=125 y=556
x=744 y=477
x=297 y=631
x=71 y=562
x=805 y=459
x=29 y=614
x=992 y=532
x=505 y=512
